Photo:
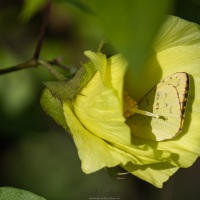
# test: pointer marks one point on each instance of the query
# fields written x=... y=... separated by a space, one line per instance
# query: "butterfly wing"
x=168 y=100
x=180 y=81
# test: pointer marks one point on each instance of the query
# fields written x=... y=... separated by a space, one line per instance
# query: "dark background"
x=35 y=153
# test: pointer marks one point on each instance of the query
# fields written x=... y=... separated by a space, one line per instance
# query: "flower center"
x=129 y=105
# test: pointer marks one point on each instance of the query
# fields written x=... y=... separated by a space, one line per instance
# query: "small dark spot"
x=178 y=83
x=157 y=106
x=163 y=118
x=158 y=95
x=166 y=104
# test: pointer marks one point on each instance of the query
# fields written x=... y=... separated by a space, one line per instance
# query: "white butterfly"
x=166 y=103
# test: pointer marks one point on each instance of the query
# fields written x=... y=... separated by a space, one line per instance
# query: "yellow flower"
x=95 y=115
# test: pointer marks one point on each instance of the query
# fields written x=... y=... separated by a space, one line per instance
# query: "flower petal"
x=182 y=58
x=94 y=152
x=155 y=174
x=176 y=32
x=99 y=107
x=118 y=70
x=112 y=70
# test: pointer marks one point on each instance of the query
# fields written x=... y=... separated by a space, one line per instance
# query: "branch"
x=56 y=74
x=25 y=65
x=42 y=30
x=34 y=61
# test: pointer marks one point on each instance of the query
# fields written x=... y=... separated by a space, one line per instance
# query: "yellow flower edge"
x=96 y=121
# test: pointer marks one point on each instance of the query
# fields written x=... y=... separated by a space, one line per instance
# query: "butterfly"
x=162 y=109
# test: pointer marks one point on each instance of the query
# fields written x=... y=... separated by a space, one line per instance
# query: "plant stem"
x=42 y=30
x=34 y=61
x=25 y=65
x=56 y=74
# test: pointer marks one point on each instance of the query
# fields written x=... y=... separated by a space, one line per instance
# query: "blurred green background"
x=35 y=153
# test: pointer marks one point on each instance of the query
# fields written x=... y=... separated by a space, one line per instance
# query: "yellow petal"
x=176 y=32
x=94 y=152
x=184 y=55
x=99 y=105
x=179 y=52
x=112 y=70
x=155 y=174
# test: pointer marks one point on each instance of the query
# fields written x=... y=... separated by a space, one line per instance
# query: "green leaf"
x=53 y=107
x=17 y=194
x=59 y=91
x=131 y=26
x=67 y=90
x=30 y=7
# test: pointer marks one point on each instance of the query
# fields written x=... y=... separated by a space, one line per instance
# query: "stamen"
x=131 y=107
x=146 y=113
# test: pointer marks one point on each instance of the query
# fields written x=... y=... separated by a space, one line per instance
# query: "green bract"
x=91 y=106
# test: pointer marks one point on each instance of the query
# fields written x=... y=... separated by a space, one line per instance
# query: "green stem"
x=56 y=74
x=42 y=30
x=28 y=64
x=34 y=63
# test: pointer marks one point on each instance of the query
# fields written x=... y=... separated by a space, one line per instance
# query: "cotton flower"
x=100 y=125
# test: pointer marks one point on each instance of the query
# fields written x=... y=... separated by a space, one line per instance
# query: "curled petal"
x=99 y=106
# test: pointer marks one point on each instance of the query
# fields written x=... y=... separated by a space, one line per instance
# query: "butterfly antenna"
x=147 y=113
